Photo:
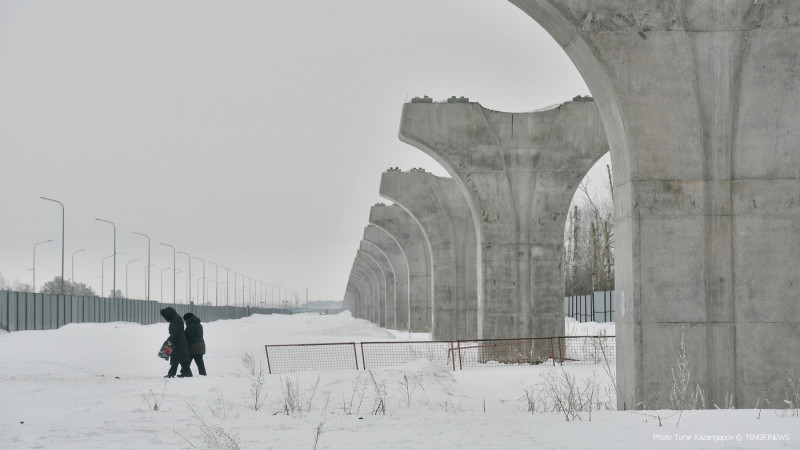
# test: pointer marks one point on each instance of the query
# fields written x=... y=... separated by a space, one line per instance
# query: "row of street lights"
x=175 y=271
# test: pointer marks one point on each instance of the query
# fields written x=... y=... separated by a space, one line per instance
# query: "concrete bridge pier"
x=701 y=105
x=379 y=302
x=367 y=275
x=396 y=222
x=399 y=267
x=442 y=212
x=387 y=318
x=519 y=173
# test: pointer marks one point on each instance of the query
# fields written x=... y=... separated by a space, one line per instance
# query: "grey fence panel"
x=4 y=309
x=13 y=311
x=30 y=311
x=47 y=312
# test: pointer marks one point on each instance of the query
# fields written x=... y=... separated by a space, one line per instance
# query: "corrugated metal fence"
x=28 y=311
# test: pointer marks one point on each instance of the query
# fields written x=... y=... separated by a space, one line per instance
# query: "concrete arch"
x=385 y=264
x=701 y=105
x=439 y=207
x=399 y=266
x=406 y=231
x=372 y=264
x=519 y=172
x=370 y=279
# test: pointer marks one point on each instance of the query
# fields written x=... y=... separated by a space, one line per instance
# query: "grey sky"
x=248 y=133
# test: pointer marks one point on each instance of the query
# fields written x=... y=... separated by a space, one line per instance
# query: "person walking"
x=197 y=346
x=180 y=355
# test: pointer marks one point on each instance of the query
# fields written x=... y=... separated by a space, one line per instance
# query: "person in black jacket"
x=197 y=346
x=180 y=355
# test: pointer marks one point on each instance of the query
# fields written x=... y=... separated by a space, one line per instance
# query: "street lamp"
x=102 y=275
x=162 y=282
x=227 y=285
x=62 y=240
x=216 y=286
x=73 y=269
x=33 y=288
x=148 y=263
x=189 y=285
x=209 y=281
x=174 y=268
x=204 y=279
x=114 y=288
x=126 y=276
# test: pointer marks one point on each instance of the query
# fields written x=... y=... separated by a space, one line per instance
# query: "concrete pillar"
x=701 y=105
x=519 y=173
x=405 y=230
x=387 y=308
x=399 y=266
x=352 y=298
x=442 y=212
x=372 y=289
x=379 y=302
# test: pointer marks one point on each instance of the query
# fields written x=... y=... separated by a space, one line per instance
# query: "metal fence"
x=596 y=307
x=455 y=355
x=28 y=311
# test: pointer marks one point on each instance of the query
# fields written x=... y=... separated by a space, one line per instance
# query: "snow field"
x=95 y=386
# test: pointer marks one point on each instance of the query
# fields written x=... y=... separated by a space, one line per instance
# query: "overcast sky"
x=251 y=134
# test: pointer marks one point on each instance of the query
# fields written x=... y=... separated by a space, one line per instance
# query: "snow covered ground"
x=96 y=386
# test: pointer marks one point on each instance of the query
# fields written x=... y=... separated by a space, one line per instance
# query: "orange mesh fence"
x=296 y=357
x=393 y=353
x=587 y=349
x=460 y=354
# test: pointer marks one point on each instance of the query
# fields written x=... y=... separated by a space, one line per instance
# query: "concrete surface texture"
x=404 y=229
x=358 y=291
x=379 y=302
x=519 y=173
x=701 y=105
x=372 y=290
x=382 y=260
x=399 y=265
x=441 y=210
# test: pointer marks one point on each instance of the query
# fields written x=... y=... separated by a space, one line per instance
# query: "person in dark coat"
x=180 y=355
x=197 y=346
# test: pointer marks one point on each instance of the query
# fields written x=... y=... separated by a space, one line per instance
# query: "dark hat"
x=187 y=316
x=168 y=313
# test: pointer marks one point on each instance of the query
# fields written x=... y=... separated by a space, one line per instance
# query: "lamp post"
x=126 y=276
x=227 y=285
x=62 y=240
x=189 y=285
x=33 y=287
x=102 y=275
x=162 y=282
x=73 y=269
x=204 y=280
x=235 y=286
x=148 y=263
x=216 y=286
x=114 y=288
x=174 y=268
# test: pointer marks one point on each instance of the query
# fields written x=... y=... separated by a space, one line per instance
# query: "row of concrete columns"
x=700 y=106
x=485 y=247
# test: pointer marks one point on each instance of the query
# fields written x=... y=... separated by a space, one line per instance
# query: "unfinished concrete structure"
x=518 y=173
x=405 y=230
x=379 y=301
x=442 y=212
x=386 y=319
x=372 y=289
x=701 y=105
x=399 y=265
